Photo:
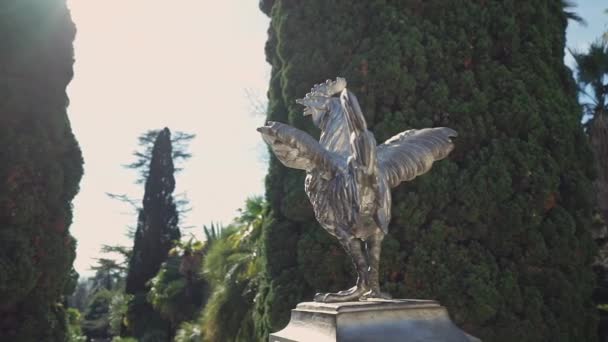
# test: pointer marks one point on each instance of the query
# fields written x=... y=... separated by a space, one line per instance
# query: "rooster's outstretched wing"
x=298 y=150
x=412 y=153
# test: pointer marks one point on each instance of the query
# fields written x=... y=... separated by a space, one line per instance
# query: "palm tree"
x=568 y=5
x=233 y=266
x=592 y=76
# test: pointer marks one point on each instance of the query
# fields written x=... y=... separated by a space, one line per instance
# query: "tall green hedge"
x=498 y=233
x=40 y=169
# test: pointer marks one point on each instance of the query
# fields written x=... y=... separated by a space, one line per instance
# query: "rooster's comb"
x=327 y=89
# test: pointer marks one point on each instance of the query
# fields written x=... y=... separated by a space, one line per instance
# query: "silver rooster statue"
x=349 y=176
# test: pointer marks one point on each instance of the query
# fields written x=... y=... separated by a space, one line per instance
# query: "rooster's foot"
x=349 y=291
x=375 y=294
x=351 y=294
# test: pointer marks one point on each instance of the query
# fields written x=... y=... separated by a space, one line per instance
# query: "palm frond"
x=567 y=6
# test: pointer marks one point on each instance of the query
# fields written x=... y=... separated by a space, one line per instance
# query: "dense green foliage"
x=99 y=298
x=233 y=267
x=189 y=332
x=40 y=169
x=124 y=339
x=175 y=297
x=592 y=76
x=157 y=231
x=96 y=323
x=499 y=233
x=118 y=311
x=177 y=291
x=74 y=333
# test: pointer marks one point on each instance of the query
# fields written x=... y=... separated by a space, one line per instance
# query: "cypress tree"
x=499 y=232
x=156 y=232
x=40 y=169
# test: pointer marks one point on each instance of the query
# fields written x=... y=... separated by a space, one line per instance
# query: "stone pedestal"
x=369 y=321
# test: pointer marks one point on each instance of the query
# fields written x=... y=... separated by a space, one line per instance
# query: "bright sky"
x=187 y=65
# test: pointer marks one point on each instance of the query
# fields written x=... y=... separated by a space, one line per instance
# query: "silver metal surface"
x=386 y=321
x=349 y=176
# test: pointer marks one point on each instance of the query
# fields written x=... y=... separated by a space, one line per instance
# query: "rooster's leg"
x=354 y=249
x=374 y=246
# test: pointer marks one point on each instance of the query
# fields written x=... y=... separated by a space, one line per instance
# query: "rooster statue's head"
x=317 y=102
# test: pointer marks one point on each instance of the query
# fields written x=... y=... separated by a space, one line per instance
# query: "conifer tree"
x=40 y=169
x=499 y=232
x=157 y=230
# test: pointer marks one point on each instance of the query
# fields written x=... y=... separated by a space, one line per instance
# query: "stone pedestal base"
x=369 y=321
